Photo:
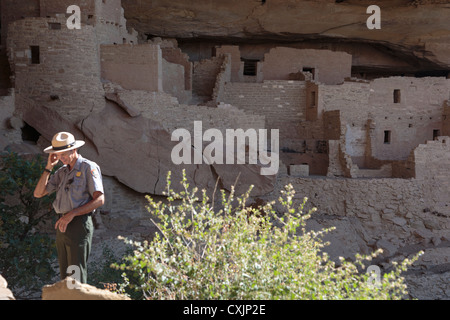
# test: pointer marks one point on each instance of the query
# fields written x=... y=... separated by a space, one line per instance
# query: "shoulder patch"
x=94 y=173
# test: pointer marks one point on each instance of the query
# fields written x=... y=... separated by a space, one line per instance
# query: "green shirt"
x=75 y=187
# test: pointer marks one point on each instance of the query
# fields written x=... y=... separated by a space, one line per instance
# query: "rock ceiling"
x=416 y=32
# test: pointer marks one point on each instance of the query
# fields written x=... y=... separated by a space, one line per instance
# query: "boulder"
x=137 y=151
x=71 y=289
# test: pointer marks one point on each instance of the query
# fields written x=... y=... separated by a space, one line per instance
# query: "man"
x=79 y=191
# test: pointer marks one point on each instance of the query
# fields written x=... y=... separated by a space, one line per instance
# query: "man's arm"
x=97 y=201
x=41 y=187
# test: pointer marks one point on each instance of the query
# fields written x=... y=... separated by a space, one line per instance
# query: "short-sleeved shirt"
x=75 y=187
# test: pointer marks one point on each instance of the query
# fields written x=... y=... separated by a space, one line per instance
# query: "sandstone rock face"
x=70 y=289
x=417 y=32
x=137 y=151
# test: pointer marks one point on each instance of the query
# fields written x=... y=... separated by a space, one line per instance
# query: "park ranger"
x=79 y=192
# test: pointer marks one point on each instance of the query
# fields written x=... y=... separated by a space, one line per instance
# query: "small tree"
x=25 y=254
x=245 y=253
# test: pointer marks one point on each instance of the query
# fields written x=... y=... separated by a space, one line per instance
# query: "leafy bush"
x=104 y=276
x=245 y=253
x=25 y=254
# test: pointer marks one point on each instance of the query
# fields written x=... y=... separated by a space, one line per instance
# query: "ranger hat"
x=63 y=141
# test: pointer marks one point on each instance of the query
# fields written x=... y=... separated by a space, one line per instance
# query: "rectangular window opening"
x=250 y=67
x=54 y=26
x=313 y=99
x=387 y=136
x=35 y=55
x=436 y=133
x=397 y=96
x=310 y=70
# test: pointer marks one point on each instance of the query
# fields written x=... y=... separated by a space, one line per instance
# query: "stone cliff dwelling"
x=364 y=133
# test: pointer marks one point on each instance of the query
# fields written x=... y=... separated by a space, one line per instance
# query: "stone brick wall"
x=432 y=161
x=236 y=74
x=134 y=67
x=175 y=55
x=281 y=102
x=446 y=119
x=112 y=33
x=65 y=74
x=204 y=76
x=329 y=67
x=411 y=120
x=164 y=108
x=368 y=111
x=10 y=13
x=50 y=8
x=173 y=81
x=223 y=77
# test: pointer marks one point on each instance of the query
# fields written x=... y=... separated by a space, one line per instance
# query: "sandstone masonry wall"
x=165 y=109
x=415 y=118
x=281 y=102
x=204 y=76
x=175 y=55
x=136 y=67
x=58 y=67
x=235 y=61
x=329 y=67
x=173 y=81
x=375 y=125
x=432 y=161
x=446 y=119
x=10 y=13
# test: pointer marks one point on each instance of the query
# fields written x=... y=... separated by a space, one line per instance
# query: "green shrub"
x=104 y=276
x=245 y=253
x=25 y=254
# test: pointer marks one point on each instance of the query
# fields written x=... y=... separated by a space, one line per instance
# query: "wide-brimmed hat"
x=63 y=141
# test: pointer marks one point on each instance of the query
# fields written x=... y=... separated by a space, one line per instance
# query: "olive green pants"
x=74 y=246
